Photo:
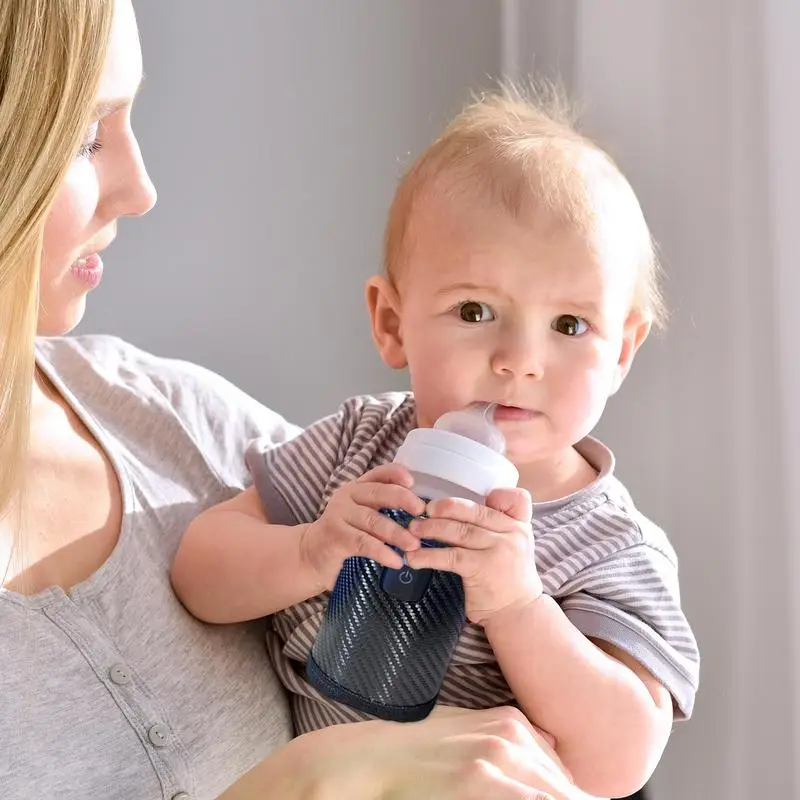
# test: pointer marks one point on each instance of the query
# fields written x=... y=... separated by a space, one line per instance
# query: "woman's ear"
x=637 y=328
x=383 y=303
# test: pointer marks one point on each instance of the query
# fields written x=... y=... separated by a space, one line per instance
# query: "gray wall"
x=275 y=133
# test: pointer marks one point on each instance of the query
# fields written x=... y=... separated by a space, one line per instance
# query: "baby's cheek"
x=440 y=384
x=580 y=400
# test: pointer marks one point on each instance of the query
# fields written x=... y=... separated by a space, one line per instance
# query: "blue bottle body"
x=388 y=636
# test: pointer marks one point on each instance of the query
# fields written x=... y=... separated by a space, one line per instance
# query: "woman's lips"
x=89 y=270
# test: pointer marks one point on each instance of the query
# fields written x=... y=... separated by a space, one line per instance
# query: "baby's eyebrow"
x=582 y=306
x=566 y=304
x=463 y=286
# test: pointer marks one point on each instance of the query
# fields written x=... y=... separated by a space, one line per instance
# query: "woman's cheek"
x=68 y=227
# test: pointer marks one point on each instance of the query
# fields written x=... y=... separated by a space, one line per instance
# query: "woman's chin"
x=58 y=321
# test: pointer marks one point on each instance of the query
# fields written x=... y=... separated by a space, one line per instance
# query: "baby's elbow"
x=187 y=580
x=631 y=758
x=614 y=788
x=622 y=781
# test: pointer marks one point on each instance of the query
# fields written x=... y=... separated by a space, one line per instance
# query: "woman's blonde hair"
x=52 y=54
x=519 y=147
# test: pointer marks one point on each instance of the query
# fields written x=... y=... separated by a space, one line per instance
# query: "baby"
x=519 y=270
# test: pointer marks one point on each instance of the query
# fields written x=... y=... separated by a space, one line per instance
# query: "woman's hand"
x=455 y=754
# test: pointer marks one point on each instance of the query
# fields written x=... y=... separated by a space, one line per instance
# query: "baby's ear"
x=383 y=303
x=637 y=327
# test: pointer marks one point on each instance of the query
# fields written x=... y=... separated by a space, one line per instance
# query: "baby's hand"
x=352 y=524
x=491 y=547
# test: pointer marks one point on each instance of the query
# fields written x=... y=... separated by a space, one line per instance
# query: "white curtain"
x=698 y=100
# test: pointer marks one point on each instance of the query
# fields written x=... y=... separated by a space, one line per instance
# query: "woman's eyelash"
x=90 y=149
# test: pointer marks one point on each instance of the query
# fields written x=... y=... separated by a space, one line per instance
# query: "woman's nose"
x=131 y=193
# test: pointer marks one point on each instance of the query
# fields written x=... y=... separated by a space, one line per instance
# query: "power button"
x=406 y=583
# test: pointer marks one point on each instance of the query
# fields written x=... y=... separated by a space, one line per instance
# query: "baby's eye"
x=570 y=325
x=473 y=311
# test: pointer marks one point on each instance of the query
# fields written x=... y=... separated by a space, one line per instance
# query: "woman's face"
x=107 y=180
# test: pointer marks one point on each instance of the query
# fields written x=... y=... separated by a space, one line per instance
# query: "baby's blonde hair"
x=52 y=54
x=522 y=150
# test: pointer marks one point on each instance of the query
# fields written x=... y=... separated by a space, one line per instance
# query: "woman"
x=108 y=688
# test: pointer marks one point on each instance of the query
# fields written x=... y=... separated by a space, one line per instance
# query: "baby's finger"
x=469 y=512
x=361 y=544
x=386 y=495
x=515 y=503
x=450 y=532
x=389 y=473
x=448 y=559
x=381 y=527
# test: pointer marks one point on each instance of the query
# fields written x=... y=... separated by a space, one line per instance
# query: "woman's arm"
x=455 y=754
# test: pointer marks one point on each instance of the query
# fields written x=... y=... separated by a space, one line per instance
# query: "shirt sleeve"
x=292 y=478
x=221 y=418
x=631 y=599
x=295 y=479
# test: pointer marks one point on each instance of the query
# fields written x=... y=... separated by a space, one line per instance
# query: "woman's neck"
x=45 y=403
x=41 y=394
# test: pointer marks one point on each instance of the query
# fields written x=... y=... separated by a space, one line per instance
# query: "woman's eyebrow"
x=106 y=107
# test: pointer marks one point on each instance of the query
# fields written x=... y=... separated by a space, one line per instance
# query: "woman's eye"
x=91 y=144
x=473 y=311
x=570 y=325
x=90 y=149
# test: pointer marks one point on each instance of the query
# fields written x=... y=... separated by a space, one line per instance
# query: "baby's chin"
x=536 y=448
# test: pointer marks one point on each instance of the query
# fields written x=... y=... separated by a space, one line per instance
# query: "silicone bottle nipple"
x=476 y=422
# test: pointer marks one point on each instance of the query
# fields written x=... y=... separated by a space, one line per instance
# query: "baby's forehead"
x=462 y=241
x=556 y=183
x=602 y=223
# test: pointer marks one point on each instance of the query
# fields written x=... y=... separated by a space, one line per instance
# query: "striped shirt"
x=612 y=570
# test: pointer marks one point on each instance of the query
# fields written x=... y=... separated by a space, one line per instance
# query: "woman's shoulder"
x=115 y=361
x=129 y=388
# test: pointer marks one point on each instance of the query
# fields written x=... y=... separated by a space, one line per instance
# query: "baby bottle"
x=388 y=635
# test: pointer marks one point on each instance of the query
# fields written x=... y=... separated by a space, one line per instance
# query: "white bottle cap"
x=451 y=456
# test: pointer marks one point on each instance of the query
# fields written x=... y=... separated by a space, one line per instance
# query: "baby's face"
x=531 y=316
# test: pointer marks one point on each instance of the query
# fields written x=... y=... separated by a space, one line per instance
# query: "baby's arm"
x=234 y=565
x=610 y=718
